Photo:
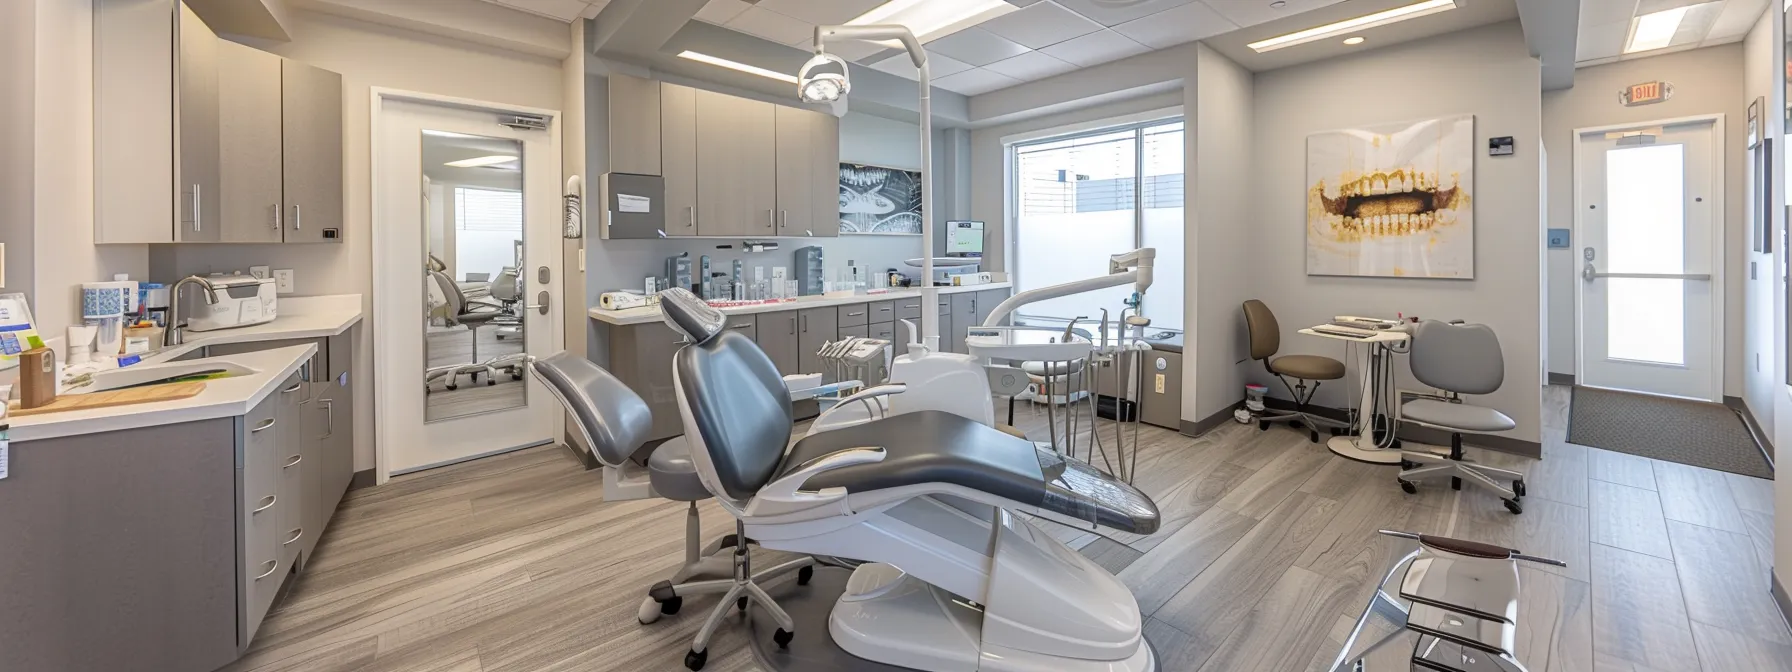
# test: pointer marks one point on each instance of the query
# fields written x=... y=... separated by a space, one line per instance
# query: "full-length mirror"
x=473 y=330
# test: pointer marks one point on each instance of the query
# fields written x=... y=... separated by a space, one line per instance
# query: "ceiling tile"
x=1738 y=17
x=1030 y=66
x=974 y=81
x=1606 y=11
x=596 y=6
x=938 y=66
x=1041 y=25
x=1252 y=12
x=720 y=11
x=563 y=10
x=1601 y=41
x=1190 y=22
x=852 y=50
x=1022 y=3
x=1110 y=13
x=820 y=12
x=976 y=46
x=771 y=25
x=1095 y=48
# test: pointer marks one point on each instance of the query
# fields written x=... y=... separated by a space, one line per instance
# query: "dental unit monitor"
x=964 y=239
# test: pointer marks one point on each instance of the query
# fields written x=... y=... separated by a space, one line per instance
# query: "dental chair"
x=615 y=422
x=954 y=578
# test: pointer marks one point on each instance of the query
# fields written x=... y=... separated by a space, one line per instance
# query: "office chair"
x=507 y=290
x=1266 y=340
x=1458 y=359
x=460 y=313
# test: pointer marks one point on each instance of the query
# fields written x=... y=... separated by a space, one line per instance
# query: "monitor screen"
x=964 y=239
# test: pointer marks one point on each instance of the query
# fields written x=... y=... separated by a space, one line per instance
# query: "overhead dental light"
x=823 y=87
x=1395 y=15
x=932 y=19
x=736 y=65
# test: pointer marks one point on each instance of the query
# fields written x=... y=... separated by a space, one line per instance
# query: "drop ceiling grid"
x=1605 y=27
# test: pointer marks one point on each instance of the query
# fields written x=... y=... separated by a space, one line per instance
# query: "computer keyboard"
x=1346 y=332
x=1358 y=324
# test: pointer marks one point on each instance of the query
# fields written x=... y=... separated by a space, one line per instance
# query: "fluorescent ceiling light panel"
x=933 y=19
x=1395 y=15
x=481 y=161
x=1655 y=30
x=736 y=65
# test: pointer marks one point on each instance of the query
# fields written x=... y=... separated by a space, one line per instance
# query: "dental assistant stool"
x=1266 y=341
x=1458 y=359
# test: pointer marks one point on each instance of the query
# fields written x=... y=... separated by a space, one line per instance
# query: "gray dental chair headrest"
x=689 y=315
x=612 y=418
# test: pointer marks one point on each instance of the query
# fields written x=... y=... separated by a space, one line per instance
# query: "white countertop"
x=648 y=314
x=300 y=317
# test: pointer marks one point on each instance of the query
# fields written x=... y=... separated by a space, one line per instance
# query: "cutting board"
x=134 y=395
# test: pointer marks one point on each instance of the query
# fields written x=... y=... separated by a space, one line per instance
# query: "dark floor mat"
x=1696 y=433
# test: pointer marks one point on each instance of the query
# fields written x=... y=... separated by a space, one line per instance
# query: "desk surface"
x=1389 y=336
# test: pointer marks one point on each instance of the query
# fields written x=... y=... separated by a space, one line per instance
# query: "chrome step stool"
x=1456 y=609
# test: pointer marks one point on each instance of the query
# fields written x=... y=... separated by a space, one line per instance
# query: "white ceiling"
x=1605 y=26
x=561 y=10
x=1042 y=39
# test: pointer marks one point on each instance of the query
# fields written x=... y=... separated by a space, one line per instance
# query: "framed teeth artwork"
x=879 y=200
x=1393 y=200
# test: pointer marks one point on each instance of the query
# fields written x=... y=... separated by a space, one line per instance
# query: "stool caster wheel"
x=804 y=575
x=1518 y=488
x=782 y=637
x=1313 y=435
x=741 y=604
x=695 y=659
x=1409 y=487
x=451 y=387
x=1407 y=464
x=1262 y=425
x=491 y=380
x=1512 y=505
x=1455 y=482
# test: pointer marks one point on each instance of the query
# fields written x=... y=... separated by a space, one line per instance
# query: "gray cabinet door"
x=678 y=157
x=634 y=125
x=796 y=171
x=964 y=316
x=815 y=327
x=737 y=178
x=196 y=80
x=776 y=334
x=249 y=141
x=986 y=303
x=261 y=571
x=824 y=149
x=311 y=121
x=641 y=357
x=297 y=468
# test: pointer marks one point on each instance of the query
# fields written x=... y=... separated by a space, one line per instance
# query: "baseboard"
x=1780 y=599
x=1763 y=440
x=1205 y=425
x=1561 y=379
x=363 y=479
x=1429 y=435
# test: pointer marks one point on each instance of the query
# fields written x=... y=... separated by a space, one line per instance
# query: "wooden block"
x=1628 y=518
x=111 y=398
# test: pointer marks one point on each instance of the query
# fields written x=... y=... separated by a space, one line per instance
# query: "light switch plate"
x=1160 y=383
x=259 y=272
x=283 y=281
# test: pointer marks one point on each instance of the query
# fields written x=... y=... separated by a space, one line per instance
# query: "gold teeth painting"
x=1393 y=200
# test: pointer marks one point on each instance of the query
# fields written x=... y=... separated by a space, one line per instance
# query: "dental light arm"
x=1130 y=268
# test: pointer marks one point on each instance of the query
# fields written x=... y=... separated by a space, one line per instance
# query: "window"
x=487 y=224
x=1078 y=200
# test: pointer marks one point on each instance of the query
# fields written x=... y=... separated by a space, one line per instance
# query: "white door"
x=466 y=269
x=1649 y=203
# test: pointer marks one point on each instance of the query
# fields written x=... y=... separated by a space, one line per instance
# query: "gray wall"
x=1705 y=82
x=1487 y=72
x=1220 y=234
x=1763 y=327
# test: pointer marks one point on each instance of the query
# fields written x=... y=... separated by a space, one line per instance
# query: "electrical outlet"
x=259 y=272
x=1160 y=383
x=283 y=281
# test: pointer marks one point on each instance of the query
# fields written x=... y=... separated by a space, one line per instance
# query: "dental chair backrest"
x=457 y=301
x=614 y=421
x=1461 y=358
x=735 y=407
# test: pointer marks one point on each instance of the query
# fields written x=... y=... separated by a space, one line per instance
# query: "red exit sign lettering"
x=1646 y=93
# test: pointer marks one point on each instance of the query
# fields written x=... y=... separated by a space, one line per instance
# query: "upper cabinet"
x=198 y=139
x=732 y=166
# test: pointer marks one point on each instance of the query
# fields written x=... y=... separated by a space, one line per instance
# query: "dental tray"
x=1026 y=344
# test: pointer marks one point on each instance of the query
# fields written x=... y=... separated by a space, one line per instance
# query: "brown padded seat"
x=1308 y=367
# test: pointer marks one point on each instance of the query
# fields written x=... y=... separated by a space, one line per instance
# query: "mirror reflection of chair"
x=1458 y=359
x=507 y=290
x=1265 y=342
x=458 y=312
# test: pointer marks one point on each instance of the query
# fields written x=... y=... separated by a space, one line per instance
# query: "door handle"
x=540 y=307
x=1589 y=274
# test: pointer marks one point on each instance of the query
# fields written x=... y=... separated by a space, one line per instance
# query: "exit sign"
x=1646 y=93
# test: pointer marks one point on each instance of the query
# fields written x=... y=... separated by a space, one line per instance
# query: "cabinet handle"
x=273 y=565
x=915 y=306
x=297 y=223
x=270 y=499
x=198 y=222
x=739 y=326
x=297 y=532
x=783 y=218
x=805 y=324
x=690 y=216
x=855 y=314
x=293 y=389
x=771 y=219
x=275 y=208
x=265 y=425
x=329 y=417
x=296 y=459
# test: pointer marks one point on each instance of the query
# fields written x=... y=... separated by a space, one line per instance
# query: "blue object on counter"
x=127 y=360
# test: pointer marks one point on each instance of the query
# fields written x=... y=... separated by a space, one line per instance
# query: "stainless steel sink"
x=200 y=352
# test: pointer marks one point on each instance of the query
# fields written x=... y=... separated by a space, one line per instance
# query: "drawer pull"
x=293 y=389
x=855 y=314
x=296 y=459
x=739 y=326
x=265 y=425
x=296 y=534
x=270 y=499
x=273 y=565
x=916 y=306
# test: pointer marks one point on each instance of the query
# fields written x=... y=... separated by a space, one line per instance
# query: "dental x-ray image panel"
x=874 y=199
x=1393 y=200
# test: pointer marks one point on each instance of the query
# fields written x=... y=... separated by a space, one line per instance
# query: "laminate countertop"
x=646 y=314
x=300 y=318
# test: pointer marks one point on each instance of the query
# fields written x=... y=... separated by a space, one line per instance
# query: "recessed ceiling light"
x=1655 y=30
x=933 y=19
x=736 y=65
x=1394 y=15
x=1354 y=40
x=481 y=161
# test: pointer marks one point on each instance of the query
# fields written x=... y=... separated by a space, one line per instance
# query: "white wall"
x=17 y=82
x=1705 y=82
x=370 y=55
x=1755 y=307
x=1219 y=234
x=1487 y=72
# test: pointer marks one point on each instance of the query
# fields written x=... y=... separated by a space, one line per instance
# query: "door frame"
x=1719 y=231
x=388 y=318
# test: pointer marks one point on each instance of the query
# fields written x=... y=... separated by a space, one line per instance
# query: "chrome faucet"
x=176 y=331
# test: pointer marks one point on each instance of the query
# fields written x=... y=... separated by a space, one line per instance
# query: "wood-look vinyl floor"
x=1267 y=553
x=448 y=347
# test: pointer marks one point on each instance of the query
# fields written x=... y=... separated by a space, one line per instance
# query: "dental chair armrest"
x=866 y=395
x=790 y=486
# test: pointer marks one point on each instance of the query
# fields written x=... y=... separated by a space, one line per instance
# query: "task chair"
x=1458 y=359
x=615 y=422
x=1266 y=341
x=462 y=313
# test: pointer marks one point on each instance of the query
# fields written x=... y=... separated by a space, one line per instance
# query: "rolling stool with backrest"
x=1458 y=359
x=1266 y=340
x=616 y=422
